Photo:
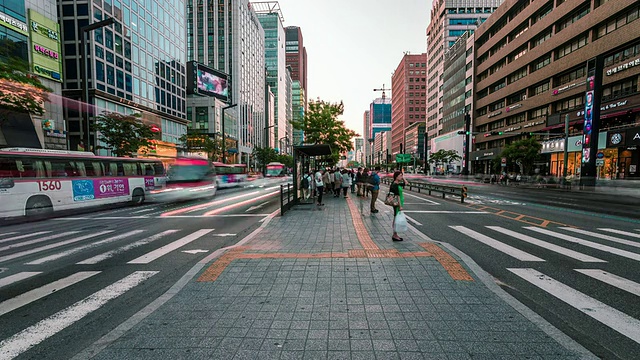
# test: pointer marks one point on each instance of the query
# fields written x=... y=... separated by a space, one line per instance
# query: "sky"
x=353 y=46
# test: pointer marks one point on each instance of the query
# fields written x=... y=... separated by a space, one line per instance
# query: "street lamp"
x=224 y=141
x=83 y=70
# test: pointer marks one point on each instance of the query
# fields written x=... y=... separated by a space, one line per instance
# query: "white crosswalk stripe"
x=39 y=240
x=23 y=236
x=44 y=329
x=153 y=255
x=9 y=233
x=615 y=319
x=573 y=239
x=546 y=245
x=604 y=237
x=78 y=249
x=626 y=233
x=17 y=277
x=109 y=254
x=52 y=246
x=502 y=247
x=36 y=294
x=613 y=280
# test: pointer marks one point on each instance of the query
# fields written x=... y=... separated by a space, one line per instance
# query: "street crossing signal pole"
x=466 y=144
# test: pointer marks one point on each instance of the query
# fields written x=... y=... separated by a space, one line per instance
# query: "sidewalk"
x=328 y=283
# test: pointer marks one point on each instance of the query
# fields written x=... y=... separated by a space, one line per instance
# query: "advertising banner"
x=100 y=189
x=45 y=46
x=588 y=126
x=13 y=24
x=149 y=183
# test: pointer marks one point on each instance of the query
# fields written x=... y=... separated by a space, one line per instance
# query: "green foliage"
x=123 y=134
x=20 y=91
x=265 y=155
x=286 y=160
x=321 y=126
x=444 y=157
x=202 y=143
x=522 y=153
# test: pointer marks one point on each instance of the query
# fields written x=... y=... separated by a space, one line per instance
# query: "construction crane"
x=383 y=89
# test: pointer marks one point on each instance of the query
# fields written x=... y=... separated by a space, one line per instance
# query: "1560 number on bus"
x=49 y=185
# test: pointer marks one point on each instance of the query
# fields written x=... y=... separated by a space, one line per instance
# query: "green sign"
x=45 y=46
x=13 y=24
x=403 y=158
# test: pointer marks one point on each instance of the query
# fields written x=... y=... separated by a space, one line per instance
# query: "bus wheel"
x=38 y=205
x=137 y=198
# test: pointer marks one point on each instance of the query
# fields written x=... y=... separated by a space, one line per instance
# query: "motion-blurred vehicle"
x=230 y=175
x=187 y=178
x=275 y=169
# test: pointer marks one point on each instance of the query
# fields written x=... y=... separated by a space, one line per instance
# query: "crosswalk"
x=609 y=249
x=27 y=256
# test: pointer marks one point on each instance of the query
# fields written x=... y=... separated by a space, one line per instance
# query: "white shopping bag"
x=401 y=223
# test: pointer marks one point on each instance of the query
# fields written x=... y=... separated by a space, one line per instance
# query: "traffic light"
x=462 y=132
x=493 y=133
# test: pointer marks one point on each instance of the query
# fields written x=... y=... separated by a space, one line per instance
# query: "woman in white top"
x=346 y=182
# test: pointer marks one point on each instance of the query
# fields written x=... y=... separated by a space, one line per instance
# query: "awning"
x=314 y=150
x=19 y=131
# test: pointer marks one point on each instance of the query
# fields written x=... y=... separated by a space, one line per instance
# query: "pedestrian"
x=320 y=186
x=375 y=188
x=325 y=180
x=366 y=188
x=359 y=184
x=396 y=189
x=305 y=184
x=346 y=182
x=352 y=174
x=337 y=183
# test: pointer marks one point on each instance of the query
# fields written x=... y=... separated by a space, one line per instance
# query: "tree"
x=444 y=157
x=20 y=91
x=124 y=135
x=264 y=155
x=321 y=126
x=203 y=143
x=523 y=153
x=286 y=160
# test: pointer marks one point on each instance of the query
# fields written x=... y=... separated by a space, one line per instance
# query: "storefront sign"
x=13 y=24
x=588 y=125
x=513 y=128
x=610 y=106
x=623 y=67
x=533 y=124
x=568 y=87
x=46 y=49
x=615 y=139
x=633 y=136
x=488 y=154
x=513 y=107
x=494 y=114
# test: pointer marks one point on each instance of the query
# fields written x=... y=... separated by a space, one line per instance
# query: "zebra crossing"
x=607 y=250
x=50 y=247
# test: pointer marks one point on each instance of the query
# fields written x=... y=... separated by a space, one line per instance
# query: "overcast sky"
x=353 y=46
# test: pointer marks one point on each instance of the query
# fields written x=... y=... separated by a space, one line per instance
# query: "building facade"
x=136 y=65
x=531 y=74
x=367 y=140
x=358 y=149
x=415 y=140
x=408 y=86
x=296 y=54
x=449 y=20
x=378 y=121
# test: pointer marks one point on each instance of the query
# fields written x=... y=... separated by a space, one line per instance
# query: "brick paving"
x=328 y=283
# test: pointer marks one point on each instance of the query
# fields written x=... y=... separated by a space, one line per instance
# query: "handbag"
x=392 y=200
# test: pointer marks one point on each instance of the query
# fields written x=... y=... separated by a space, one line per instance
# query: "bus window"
x=8 y=168
x=159 y=168
x=130 y=169
x=30 y=168
x=93 y=168
x=81 y=170
x=112 y=169
x=61 y=168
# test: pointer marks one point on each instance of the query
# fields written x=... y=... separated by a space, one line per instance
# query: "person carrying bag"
x=396 y=199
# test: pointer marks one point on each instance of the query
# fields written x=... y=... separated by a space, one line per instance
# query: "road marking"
x=24 y=236
x=17 y=277
x=256 y=207
x=613 y=280
x=604 y=237
x=412 y=219
x=149 y=257
x=626 y=233
x=46 y=290
x=158 y=217
x=84 y=247
x=9 y=233
x=548 y=246
x=46 y=238
x=423 y=199
x=223 y=235
x=44 y=329
x=442 y=212
x=52 y=246
x=206 y=205
x=617 y=320
x=605 y=248
x=109 y=254
x=195 y=251
x=502 y=247
x=241 y=203
x=143 y=210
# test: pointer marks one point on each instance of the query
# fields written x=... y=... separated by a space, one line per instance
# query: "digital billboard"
x=206 y=81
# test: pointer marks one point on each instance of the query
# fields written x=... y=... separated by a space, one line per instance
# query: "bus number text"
x=52 y=185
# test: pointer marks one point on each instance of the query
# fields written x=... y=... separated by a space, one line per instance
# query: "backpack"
x=305 y=182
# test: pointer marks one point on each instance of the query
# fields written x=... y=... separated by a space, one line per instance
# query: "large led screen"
x=208 y=82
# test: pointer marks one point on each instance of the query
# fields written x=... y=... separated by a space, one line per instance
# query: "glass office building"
x=136 y=65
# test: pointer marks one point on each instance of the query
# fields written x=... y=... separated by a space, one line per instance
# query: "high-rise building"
x=227 y=36
x=297 y=60
x=136 y=65
x=543 y=53
x=408 y=86
x=379 y=120
x=449 y=20
x=271 y=19
x=366 y=128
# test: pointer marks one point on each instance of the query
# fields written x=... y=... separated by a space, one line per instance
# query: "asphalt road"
x=572 y=258
x=66 y=282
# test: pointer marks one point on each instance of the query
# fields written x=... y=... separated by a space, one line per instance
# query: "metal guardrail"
x=287 y=198
x=459 y=190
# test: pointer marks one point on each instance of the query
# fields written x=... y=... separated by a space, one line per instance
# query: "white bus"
x=230 y=175
x=37 y=181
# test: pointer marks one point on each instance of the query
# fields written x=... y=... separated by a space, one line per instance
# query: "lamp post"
x=83 y=70
x=224 y=140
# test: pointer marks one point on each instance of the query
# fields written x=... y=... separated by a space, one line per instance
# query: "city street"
x=563 y=254
x=80 y=276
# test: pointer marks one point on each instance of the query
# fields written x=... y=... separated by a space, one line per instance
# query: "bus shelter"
x=305 y=158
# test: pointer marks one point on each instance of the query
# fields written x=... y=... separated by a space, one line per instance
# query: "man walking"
x=319 y=186
x=375 y=189
x=305 y=184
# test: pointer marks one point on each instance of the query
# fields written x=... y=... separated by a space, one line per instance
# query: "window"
x=570 y=76
x=573 y=17
x=496 y=105
x=541 y=62
x=618 y=21
x=519 y=52
x=574 y=45
x=630 y=52
x=539 y=88
x=518 y=74
x=619 y=89
x=573 y=103
x=539 y=112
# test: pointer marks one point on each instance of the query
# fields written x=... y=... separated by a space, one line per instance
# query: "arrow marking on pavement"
x=257 y=207
x=223 y=235
x=195 y=251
